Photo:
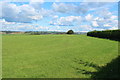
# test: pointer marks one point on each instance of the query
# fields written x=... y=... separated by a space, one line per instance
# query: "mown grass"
x=54 y=56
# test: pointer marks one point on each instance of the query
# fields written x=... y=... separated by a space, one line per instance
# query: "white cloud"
x=46 y=12
x=81 y=8
x=100 y=18
x=67 y=21
x=3 y=22
x=63 y=8
x=100 y=0
x=37 y=17
x=41 y=1
x=13 y=13
x=95 y=24
x=16 y=26
x=41 y=28
x=23 y=13
x=55 y=17
x=104 y=19
x=85 y=27
x=113 y=28
x=104 y=13
x=57 y=0
x=21 y=26
x=89 y=17
x=113 y=17
x=36 y=3
x=106 y=25
x=69 y=8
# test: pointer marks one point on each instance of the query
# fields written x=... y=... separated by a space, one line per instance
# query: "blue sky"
x=58 y=16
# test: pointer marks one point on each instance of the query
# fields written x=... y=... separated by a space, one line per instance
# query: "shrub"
x=70 y=32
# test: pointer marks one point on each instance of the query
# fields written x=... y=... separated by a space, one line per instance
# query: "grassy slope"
x=39 y=56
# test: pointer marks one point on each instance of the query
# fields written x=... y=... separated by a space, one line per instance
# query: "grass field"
x=54 y=56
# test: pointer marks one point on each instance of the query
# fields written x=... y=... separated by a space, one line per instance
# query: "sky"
x=41 y=15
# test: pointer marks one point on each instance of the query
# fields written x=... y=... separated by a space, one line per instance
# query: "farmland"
x=54 y=56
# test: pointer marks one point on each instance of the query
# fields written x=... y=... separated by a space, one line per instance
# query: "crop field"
x=55 y=56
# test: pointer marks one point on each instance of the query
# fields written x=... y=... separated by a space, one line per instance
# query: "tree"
x=70 y=32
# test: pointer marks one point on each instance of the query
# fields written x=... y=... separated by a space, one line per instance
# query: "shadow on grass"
x=115 y=39
x=111 y=70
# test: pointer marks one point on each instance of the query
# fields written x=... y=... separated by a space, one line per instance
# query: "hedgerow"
x=109 y=34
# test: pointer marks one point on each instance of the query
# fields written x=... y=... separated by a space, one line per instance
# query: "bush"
x=70 y=32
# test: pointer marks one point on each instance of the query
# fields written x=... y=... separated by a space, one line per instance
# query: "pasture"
x=54 y=56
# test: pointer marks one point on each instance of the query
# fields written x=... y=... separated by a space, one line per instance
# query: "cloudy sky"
x=58 y=16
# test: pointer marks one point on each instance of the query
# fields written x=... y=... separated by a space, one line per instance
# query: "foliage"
x=109 y=34
x=70 y=32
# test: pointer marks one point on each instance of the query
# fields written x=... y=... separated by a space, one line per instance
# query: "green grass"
x=54 y=56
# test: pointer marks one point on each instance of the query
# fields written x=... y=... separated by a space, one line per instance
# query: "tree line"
x=43 y=32
x=109 y=34
x=49 y=32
